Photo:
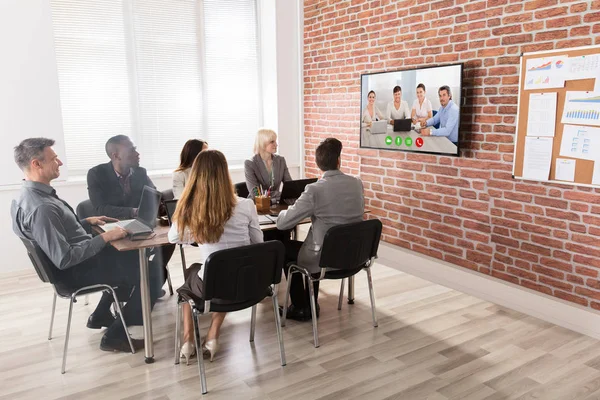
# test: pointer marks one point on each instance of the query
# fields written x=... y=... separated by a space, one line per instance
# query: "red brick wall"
x=467 y=210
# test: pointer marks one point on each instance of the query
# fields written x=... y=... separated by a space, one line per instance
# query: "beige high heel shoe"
x=188 y=350
x=211 y=346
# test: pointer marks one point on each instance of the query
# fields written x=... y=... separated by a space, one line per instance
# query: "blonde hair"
x=263 y=136
x=208 y=200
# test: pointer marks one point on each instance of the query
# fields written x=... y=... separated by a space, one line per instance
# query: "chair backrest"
x=349 y=246
x=41 y=263
x=167 y=195
x=171 y=205
x=85 y=209
x=243 y=273
x=241 y=189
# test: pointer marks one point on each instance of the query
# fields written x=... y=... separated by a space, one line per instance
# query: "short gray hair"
x=31 y=149
x=447 y=89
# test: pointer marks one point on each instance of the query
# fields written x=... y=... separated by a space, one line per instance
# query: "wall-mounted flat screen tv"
x=415 y=110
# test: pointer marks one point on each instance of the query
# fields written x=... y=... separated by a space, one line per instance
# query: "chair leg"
x=178 y=332
x=182 y=252
x=278 y=326
x=253 y=323
x=120 y=316
x=199 y=352
x=169 y=281
x=372 y=294
x=64 y=363
x=52 y=316
x=341 y=295
x=287 y=296
x=313 y=309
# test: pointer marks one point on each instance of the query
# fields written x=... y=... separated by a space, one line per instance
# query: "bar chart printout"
x=582 y=108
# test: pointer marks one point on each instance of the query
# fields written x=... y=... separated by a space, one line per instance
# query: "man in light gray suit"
x=335 y=199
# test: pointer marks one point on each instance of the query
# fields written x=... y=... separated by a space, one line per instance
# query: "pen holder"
x=263 y=203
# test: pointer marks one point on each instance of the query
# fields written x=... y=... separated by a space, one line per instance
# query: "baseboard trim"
x=539 y=305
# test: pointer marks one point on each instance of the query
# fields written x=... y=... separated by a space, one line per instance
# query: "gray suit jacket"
x=335 y=199
x=257 y=175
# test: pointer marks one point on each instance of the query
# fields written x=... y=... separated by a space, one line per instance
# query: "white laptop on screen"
x=379 y=127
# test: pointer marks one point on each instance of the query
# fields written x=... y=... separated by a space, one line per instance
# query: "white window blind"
x=159 y=71
x=93 y=78
x=168 y=84
x=233 y=100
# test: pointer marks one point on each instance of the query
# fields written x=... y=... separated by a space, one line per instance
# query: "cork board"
x=584 y=168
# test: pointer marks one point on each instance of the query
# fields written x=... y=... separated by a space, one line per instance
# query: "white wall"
x=29 y=95
x=32 y=30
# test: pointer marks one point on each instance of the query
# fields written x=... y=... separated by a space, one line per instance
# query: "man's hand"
x=425 y=132
x=423 y=122
x=100 y=220
x=114 y=234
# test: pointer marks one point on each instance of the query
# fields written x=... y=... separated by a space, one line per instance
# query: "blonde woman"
x=217 y=221
x=266 y=169
x=181 y=175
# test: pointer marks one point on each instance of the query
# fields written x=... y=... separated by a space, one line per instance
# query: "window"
x=159 y=71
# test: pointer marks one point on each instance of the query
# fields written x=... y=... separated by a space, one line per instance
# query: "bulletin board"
x=559 y=90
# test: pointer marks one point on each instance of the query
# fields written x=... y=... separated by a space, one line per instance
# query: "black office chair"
x=240 y=278
x=347 y=249
x=241 y=190
x=167 y=194
x=48 y=273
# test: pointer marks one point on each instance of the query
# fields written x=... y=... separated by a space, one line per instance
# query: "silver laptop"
x=379 y=127
x=145 y=221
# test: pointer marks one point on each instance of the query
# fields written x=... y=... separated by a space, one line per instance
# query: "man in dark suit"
x=115 y=188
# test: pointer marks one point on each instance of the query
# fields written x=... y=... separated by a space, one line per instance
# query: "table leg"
x=351 y=290
x=146 y=309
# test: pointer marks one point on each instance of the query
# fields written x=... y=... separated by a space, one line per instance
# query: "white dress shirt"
x=422 y=110
x=240 y=230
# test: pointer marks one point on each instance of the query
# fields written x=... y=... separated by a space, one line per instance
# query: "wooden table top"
x=160 y=237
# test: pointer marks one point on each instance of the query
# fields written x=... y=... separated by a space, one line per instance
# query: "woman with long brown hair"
x=210 y=214
x=181 y=175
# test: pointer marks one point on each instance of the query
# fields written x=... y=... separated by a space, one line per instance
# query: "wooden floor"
x=431 y=343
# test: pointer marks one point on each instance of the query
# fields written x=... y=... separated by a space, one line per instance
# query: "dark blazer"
x=256 y=174
x=106 y=193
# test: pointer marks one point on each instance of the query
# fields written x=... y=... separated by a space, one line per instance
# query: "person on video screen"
x=447 y=117
x=397 y=109
x=421 y=107
x=371 y=112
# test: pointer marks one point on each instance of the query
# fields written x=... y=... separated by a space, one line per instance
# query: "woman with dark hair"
x=421 y=107
x=212 y=215
x=371 y=112
x=181 y=175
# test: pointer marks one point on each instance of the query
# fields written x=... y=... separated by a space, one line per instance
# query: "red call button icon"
x=419 y=142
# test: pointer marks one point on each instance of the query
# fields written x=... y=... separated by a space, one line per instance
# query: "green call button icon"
x=388 y=140
x=398 y=140
x=408 y=141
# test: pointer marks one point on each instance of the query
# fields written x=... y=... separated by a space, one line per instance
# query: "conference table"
x=160 y=238
x=391 y=140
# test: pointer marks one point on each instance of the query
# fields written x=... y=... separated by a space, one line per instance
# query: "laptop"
x=379 y=127
x=145 y=221
x=402 y=125
x=293 y=189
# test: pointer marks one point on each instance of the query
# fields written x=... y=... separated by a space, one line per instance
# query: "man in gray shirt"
x=333 y=200
x=80 y=259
